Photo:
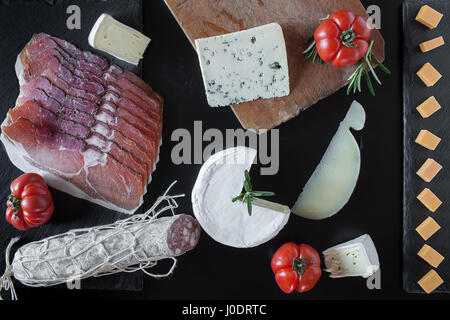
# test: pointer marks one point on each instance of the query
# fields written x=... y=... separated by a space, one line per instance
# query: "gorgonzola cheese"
x=244 y=66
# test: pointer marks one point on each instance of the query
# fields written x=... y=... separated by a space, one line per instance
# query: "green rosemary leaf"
x=239 y=197
x=247 y=182
x=311 y=52
x=249 y=205
x=249 y=194
x=247 y=186
x=349 y=88
x=262 y=193
x=352 y=79
x=359 y=79
x=369 y=83
x=373 y=71
x=383 y=67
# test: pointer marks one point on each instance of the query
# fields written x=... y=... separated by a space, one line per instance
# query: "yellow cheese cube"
x=431 y=44
x=430 y=255
x=428 y=107
x=427 y=140
x=427 y=228
x=430 y=281
x=429 y=170
x=429 y=17
x=429 y=200
x=429 y=75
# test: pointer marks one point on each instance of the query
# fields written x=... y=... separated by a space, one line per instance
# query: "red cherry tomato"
x=342 y=38
x=296 y=267
x=30 y=203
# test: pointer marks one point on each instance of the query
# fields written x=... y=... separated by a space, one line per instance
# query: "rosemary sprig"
x=311 y=52
x=249 y=195
x=366 y=69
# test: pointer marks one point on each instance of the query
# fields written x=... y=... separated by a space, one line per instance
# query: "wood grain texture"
x=299 y=18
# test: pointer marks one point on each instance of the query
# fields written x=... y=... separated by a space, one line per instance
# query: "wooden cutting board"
x=298 y=18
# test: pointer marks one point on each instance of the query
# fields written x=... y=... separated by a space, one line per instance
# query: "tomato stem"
x=347 y=38
x=299 y=265
x=15 y=203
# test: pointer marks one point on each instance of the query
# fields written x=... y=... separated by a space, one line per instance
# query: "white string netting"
x=128 y=234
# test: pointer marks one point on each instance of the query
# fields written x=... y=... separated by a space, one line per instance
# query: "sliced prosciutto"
x=89 y=128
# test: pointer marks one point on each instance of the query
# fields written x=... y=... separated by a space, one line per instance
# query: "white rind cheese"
x=244 y=66
x=118 y=39
x=355 y=258
x=220 y=180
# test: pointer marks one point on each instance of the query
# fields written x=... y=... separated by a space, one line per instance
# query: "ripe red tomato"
x=342 y=38
x=296 y=267
x=30 y=203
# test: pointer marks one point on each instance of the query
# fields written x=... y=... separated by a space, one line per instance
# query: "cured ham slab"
x=89 y=128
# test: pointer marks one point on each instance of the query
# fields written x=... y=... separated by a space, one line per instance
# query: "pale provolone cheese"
x=332 y=183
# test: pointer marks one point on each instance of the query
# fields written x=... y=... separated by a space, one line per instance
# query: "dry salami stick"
x=136 y=243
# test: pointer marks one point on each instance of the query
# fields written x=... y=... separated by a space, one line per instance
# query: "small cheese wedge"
x=427 y=140
x=429 y=17
x=429 y=200
x=429 y=75
x=431 y=281
x=429 y=170
x=428 y=107
x=427 y=228
x=354 y=258
x=431 y=44
x=430 y=255
x=118 y=39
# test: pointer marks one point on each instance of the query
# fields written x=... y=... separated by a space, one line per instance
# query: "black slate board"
x=414 y=93
x=18 y=21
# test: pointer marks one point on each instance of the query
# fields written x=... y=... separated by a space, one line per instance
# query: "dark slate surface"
x=414 y=93
x=18 y=21
x=214 y=271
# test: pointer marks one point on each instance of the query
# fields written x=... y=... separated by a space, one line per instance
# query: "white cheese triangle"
x=118 y=39
x=355 y=258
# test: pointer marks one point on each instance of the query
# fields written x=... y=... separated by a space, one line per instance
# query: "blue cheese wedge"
x=355 y=258
x=244 y=66
x=118 y=39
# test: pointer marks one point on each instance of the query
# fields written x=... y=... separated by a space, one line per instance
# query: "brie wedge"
x=220 y=180
x=355 y=258
x=118 y=39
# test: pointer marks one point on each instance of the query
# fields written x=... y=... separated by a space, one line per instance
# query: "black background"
x=214 y=271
